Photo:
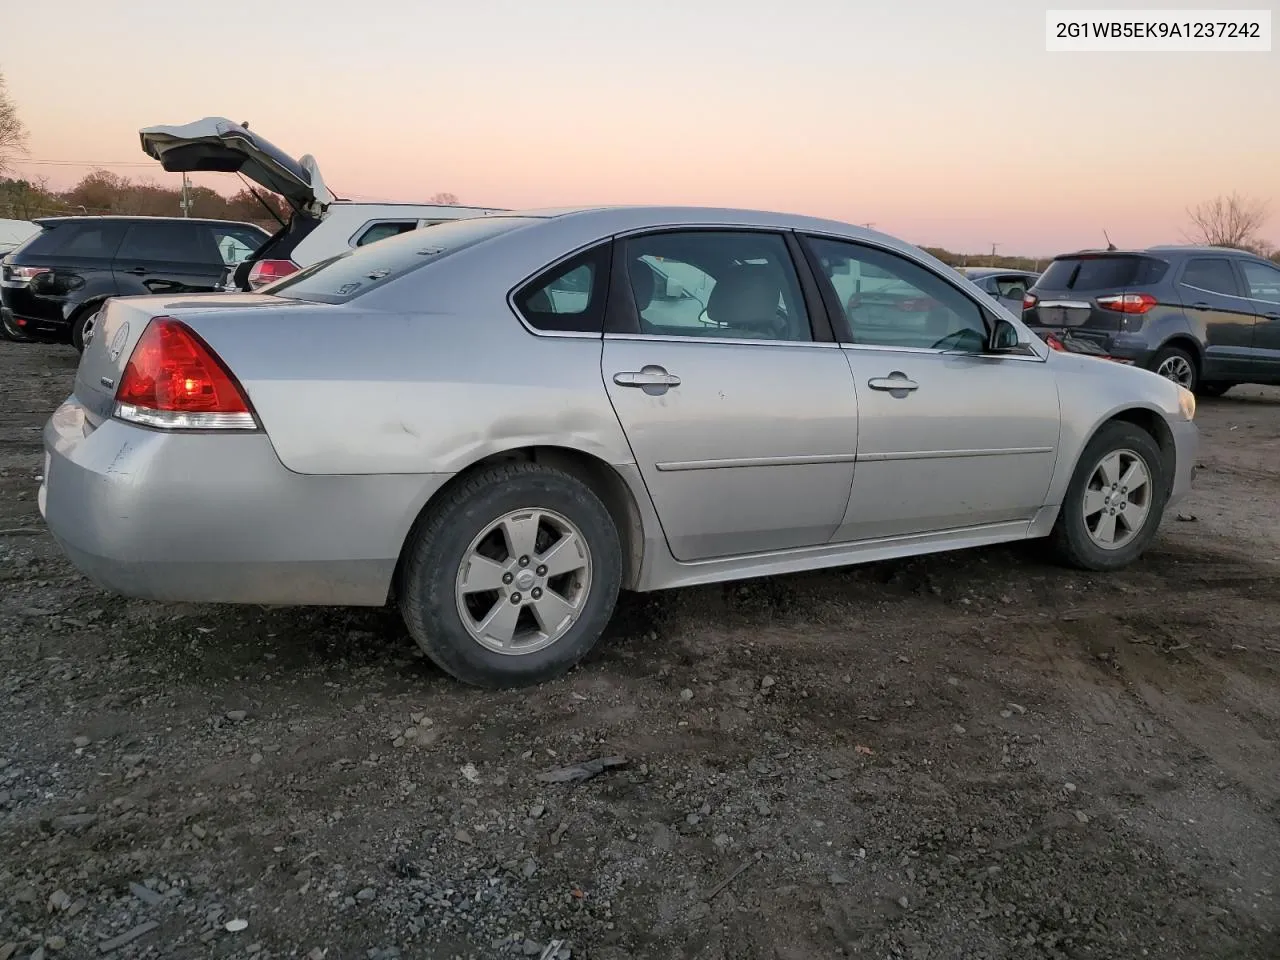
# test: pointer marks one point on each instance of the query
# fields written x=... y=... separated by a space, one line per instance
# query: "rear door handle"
x=648 y=377
x=1200 y=306
x=138 y=271
x=894 y=383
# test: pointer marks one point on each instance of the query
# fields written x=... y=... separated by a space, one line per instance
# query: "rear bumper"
x=33 y=316
x=211 y=518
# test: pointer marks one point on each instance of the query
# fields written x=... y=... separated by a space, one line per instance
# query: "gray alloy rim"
x=524 y=581
x=1117 y=500
x=1178 y=369
x=86 y=333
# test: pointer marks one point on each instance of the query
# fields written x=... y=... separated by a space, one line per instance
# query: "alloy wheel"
x=1178 y=369
x=1117 y=499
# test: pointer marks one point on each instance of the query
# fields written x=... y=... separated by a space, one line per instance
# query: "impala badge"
x=118 y=342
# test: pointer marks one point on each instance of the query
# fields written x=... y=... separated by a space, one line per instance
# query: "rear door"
x=168 y=256
x=1214 y=302
x=1068 y=293
x=743 y=425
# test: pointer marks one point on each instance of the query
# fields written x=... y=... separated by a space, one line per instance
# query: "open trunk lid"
x=218 y=145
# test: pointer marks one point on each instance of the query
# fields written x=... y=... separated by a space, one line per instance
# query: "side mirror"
x=1004 y=337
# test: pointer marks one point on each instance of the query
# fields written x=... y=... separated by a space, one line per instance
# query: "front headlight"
x=1187 y=403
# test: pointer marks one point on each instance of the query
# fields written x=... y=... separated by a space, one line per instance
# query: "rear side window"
x=91 y=238
x=356 y=272
x=1101 y=273
x=168 y=241
x=1213 y=274
x=570 y=297
x=380 y=231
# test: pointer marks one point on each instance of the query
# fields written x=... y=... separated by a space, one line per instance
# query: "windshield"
x=356 y=272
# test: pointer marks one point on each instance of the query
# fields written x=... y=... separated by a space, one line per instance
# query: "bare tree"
x=445 y=199
x=13 y=135
x=1232 y=221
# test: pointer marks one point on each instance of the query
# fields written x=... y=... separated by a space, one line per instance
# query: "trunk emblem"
x=118 y=342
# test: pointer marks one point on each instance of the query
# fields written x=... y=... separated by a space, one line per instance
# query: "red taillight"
x=1128 y=302
x=22 y=275
x=175 y=381
x=269 y=271
x=1029 y=300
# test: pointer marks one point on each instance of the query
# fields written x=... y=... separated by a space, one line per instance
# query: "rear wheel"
x=82 y=326
x=1176 y=364
x=1115 y=500
x=512 y=579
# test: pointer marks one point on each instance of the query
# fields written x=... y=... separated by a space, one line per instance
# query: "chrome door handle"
x=647 y=377
x=894 y=383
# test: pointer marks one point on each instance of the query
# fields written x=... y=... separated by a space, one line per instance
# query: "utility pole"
x=186 y=201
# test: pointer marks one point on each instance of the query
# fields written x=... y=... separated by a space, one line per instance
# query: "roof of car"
x=130 y=217
x=1165 y=248
x=988 y=271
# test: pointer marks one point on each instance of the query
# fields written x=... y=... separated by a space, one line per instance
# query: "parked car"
x=13 y=232
x=321 y=226
x=1007 y=286
x=494 y=423
x=1207 y=318
x=53 y=284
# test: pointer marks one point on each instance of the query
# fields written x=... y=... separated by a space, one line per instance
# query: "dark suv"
x=1205 y=317
x=54 y=283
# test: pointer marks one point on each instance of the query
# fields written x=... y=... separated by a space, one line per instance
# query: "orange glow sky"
x=943 y=123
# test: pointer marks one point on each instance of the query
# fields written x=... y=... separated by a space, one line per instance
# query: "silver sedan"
x=500 y=423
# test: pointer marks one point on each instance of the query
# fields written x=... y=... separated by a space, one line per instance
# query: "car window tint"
x=236 y=244
x=165 y=241
x=719 y=284
x=1213 y=274
x=569 y=297
x=355 y=272
x=1101 y=273
x=891 y=302
x=1263 y=281
x=92 y=238
x=380 y=231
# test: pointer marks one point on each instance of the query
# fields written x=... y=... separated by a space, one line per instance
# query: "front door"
x=744 y=427
x=1263 y=282
x=1218 y=311
x=948 y=436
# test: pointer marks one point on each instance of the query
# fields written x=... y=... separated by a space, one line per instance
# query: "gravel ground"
x=977 y=755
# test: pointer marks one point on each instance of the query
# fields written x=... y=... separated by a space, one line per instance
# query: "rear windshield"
x=355 y=273
x=1101 y=273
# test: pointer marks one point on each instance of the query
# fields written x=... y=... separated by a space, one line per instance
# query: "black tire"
x=438 y=546
x=1175 y=354
x=1214 y=388
x=83 y=316
x=1070 y=538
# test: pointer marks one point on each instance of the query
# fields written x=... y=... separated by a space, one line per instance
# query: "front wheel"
x=512 y=578
x=1176 y=364
x=1115 y=500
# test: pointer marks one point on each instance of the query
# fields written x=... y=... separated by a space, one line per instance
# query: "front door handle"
x=138 y=271
x=895 y=383
x=1200 y=306
x=648 y=377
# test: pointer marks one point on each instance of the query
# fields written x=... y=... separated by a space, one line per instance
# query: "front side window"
x=1213 y=274
x=718 y=284
x=236 y=244
x=1263 y=281
x=569 y=297
x=891 y=302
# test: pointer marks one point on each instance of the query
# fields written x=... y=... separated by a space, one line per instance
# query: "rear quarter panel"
x=425 y=375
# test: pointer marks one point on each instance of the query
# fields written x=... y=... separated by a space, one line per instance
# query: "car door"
x=949 y=436
x=1220 y=316
x=1263 y=281
x=743 y=423
x=168 y=256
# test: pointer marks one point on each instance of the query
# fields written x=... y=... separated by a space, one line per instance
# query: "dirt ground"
x=966 y=756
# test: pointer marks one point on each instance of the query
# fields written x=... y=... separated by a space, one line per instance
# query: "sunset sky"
x=943 y=123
